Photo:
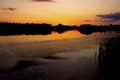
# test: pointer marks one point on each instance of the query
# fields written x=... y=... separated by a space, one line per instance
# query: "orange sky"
x=67 y=12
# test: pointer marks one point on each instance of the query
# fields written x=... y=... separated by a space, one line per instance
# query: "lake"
x=66 y=56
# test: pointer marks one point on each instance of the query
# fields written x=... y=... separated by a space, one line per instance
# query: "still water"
x=34 y=38
x=66 y=56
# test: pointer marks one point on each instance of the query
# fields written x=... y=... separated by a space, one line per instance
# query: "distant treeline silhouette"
x=88 y=28
x=44 y=29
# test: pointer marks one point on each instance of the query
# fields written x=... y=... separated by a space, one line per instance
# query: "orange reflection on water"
x=33 y=38
x=66 y=35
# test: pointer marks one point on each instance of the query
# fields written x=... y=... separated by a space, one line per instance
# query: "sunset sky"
x=67 y=12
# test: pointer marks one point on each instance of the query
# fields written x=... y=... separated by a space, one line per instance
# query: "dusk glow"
x=59 y=39
x=67 y=12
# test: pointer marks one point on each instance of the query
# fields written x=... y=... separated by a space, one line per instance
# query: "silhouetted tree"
x=44 y=29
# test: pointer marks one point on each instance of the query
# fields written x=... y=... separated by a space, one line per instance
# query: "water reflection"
x=32 y=38
x=66 y=59
x=109 y=53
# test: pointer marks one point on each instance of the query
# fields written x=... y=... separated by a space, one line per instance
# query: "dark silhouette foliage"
x=109 y=53
x=45 y=29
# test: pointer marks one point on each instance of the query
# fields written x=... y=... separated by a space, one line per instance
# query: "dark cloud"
x=108 y=20
x=88 y=21
x=109 y=17
x=10 y=9
x=42 y=1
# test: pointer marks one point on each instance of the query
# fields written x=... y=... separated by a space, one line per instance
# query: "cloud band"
x=110 y=17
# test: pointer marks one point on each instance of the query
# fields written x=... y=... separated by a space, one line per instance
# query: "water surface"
x=67 y=56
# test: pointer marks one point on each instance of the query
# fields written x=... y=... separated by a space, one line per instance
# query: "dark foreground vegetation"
x=44 y=29
x=109 y=57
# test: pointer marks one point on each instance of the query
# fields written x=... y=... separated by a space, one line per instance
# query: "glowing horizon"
x=66 y=12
